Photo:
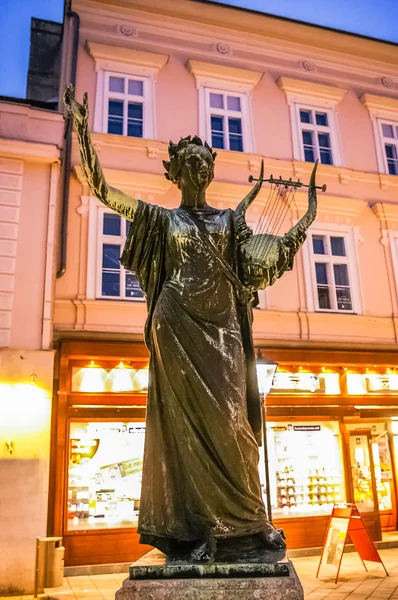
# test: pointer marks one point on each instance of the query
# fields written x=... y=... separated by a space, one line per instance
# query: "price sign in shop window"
x=307 y=462
x=104 y=476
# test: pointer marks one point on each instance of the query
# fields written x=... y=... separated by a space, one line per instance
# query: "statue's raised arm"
x=115 y=199
x=264 y=257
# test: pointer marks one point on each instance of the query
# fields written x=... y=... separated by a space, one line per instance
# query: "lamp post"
x=265 y=374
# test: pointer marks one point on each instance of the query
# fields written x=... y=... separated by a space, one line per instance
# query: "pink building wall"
x=30 y=141
x=181 y=32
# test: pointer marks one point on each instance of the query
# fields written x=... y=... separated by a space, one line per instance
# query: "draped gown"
x=200 y=471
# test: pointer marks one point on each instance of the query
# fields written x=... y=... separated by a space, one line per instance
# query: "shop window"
x=225 y=111
x=113 y=281
x=331 y=274
x=306 y=468
x=104 y=474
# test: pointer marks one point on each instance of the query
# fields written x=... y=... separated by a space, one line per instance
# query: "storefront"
x=331 y=437
x=98 y=434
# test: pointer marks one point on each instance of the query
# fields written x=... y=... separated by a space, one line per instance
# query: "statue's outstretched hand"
x=78 y=111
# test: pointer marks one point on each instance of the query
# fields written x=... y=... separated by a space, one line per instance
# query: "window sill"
x=335 y=312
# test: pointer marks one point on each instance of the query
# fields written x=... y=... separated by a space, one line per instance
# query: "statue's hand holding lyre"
x=265 y=256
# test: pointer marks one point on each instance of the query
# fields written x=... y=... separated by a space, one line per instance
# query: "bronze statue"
x=200 y=269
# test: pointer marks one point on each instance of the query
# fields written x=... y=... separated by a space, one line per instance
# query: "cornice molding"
x=387 y=213
x=157 y=150
x=179 y=26
x=131 y=181
x=300 y=90
x=381 y=106
x=336 y=206
x=29 y=151
x=104 y=55
x=203 y=71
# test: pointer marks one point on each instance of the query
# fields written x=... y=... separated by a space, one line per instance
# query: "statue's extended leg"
x=204 y=551
x=272 y=538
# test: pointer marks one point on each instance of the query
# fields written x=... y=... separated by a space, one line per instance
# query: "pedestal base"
x=153 y=577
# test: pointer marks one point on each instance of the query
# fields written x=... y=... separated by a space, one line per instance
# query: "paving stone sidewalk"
x=354 y=582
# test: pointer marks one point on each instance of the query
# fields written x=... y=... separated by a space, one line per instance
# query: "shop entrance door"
x=363 y=480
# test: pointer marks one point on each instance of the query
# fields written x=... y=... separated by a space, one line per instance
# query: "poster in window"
x=385 y=457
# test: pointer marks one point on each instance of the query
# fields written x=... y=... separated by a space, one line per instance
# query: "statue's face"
x=198 y=168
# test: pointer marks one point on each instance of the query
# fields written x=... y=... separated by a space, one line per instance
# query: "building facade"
x=254 y=87
x=30 y=142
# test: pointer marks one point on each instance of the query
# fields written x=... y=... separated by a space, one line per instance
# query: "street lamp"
x=265 y=374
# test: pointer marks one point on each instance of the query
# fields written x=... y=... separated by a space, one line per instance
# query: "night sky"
x=374 y=18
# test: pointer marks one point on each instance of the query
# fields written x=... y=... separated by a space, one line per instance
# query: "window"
x=383 y=112
x=313 y=119
x=225 y=119
x=125 y=98
x=113 y=281
x=315 y=135
x=389 y=136
x=124 y=114
x=331 y=273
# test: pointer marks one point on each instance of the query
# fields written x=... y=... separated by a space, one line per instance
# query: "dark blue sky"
x=374 y=18
x=15 y=38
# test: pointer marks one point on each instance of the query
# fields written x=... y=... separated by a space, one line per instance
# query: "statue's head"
x=191 y=163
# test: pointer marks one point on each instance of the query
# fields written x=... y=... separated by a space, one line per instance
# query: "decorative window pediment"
x=127 y=60
x=317 y=94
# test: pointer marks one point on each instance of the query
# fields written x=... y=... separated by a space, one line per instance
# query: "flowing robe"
x=200 y=471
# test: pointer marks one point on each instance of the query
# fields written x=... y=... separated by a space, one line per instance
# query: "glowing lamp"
x=141 y=379
x=121 y=378
x=92 y=378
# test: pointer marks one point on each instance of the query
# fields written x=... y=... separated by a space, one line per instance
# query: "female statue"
x=199 y=268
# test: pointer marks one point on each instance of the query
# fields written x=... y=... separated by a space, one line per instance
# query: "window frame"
x=125 y=62
x=101 y=105
x=315 y=128
x=351 y=236
x=379 y=126
x=146 y=99
x=318 y=97
x=220 y=78
x=94 y=254
x=225 y=113
x=393 y=239
x=382 y=109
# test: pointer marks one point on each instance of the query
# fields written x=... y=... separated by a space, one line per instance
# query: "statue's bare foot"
x=204 y=551
x=272 y=538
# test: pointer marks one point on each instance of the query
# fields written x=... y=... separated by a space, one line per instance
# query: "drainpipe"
x=68 y=146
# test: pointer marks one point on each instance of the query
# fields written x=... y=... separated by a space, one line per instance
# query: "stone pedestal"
x=155 y=577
